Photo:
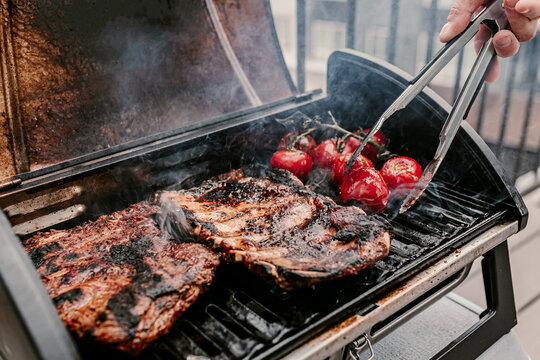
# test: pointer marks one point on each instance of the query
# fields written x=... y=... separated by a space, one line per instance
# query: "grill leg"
x=499 y=317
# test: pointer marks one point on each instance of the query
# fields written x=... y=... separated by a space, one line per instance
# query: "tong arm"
x=493 y=12
x=466 y=97
x=451 y=126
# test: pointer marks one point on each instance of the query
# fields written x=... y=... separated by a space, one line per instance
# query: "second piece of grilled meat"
x=119 y=280
x=278 y=228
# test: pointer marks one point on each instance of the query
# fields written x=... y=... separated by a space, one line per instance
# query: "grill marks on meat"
x=277 y=227
x=119 y=280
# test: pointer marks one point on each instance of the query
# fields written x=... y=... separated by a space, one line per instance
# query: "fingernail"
x=523 y=11
x=505 y=41
x=445 y=31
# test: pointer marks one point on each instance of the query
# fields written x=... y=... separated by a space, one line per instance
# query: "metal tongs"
x=494 y=17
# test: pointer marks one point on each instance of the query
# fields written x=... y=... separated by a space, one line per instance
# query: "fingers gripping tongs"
x=494 y=17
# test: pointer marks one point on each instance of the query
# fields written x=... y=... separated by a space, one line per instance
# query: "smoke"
x=172 y=220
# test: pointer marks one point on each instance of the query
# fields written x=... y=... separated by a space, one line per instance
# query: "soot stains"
x=52 y=267
x=345 y=236
x=229 y=193
x=102 y=317
x=233 y=192
x=144 y=283
x=88 y=267
x=71 y=256
x=71 y=296
x=279 y=176
x=131 y=254
x=208 y=226
x=120 y=305
x=37 y=254
x=154 y=287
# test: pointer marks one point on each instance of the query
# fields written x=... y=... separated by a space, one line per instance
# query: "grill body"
x=240 y=317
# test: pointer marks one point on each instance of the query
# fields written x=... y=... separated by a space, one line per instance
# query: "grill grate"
x=240 y=317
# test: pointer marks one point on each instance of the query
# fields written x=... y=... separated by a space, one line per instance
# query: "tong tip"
x=415 y=193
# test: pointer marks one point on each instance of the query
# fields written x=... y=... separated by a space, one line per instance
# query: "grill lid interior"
x=86 y=76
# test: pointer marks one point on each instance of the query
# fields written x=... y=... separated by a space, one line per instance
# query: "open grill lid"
x=80 y=77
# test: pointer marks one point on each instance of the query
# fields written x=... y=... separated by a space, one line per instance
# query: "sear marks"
x=277 y=227
x=119 y=280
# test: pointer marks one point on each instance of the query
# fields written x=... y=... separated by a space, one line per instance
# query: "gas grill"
x=468 y=212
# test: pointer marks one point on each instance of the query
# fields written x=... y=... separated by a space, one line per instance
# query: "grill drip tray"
x=242 y=317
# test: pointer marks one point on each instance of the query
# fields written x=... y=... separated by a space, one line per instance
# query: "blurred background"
x=405 y=33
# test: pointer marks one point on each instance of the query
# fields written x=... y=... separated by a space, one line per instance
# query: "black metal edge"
x=37 y=314
x=130 y=150
x=288 y=76
x=499 y=317
x=498 y=169
x=366 y=299
x=436 y=103
x=235 y=117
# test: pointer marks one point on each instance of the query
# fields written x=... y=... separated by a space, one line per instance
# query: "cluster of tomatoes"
x=369 y=187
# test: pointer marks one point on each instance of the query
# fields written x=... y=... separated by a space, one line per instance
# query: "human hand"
x=522 y=15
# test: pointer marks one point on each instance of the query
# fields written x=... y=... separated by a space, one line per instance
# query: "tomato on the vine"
x=401 y=175
x=304 y=143
x=326 y=153
x=366 y=186
x=370 y=151
x=341 y=163
x=351 y=144
x=297 y=162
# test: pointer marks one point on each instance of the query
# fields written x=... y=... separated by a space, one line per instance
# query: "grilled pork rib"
x=119 y=280
x=278 y=228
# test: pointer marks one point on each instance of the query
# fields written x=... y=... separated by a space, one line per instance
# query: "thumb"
x=459 y=17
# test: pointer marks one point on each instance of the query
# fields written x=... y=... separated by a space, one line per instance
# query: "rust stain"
x=96 y=74
x=343 y=325
x=7 y=154
x=391 y=294
x=6 y=159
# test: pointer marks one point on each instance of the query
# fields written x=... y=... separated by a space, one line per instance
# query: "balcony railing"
x=509 y=137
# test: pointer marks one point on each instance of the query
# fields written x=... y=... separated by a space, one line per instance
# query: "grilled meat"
x=278 y=228
x=119 y=280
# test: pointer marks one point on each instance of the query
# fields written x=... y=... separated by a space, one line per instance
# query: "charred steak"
x=278 y=228
x=119 y=280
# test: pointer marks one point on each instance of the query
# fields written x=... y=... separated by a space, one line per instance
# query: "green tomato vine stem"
x=317 y=124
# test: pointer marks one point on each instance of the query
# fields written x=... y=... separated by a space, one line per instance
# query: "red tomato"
x=351 y=144
x=341 y=163
x=297 y=162
x=401 y=175
x=367 y=186
x=326 y=154
x=305 y=143
x=369 y=150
